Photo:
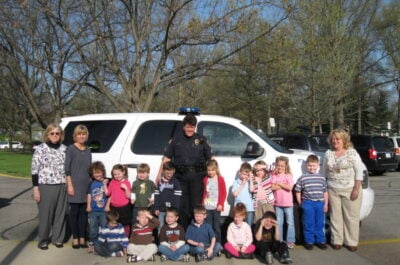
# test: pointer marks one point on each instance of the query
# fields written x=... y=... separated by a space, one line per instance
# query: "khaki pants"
x=143 y=251
x=344 y=217
x=261 y=209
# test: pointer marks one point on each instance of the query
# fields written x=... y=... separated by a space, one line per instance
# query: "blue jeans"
x=173 y=255
x=214 y=219
x=96 y=220
x=201 y=251
x=161 y=218
x=313 y=221
x=283 y=213
x=250 y=218
x=106 y=249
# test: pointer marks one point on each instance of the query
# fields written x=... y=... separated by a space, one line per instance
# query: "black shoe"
x=285 y=258
x=308 y=246
x=58 y=245
x=199 y=258
x=228 y=255
x=43 y=246
x=321 y=246
x=246 y=256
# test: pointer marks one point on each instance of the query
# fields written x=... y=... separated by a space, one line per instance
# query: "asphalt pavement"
x=18 y=243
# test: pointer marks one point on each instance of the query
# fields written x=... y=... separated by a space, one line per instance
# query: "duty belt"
x=186 y=169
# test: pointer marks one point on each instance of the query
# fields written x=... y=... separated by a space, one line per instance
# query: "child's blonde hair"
x=245 y=167
x=286 y=160
x=122 y=168
x=199 y=209
x=143 y=168
x=213 y=164
x=260 y=163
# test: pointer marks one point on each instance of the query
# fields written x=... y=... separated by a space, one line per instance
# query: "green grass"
x=17 y=164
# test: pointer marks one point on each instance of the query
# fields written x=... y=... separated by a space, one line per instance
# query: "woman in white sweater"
x=343 y=169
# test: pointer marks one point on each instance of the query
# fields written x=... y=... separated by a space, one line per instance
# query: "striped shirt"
x=311 y=186
x=116 y=234
x=265 y=187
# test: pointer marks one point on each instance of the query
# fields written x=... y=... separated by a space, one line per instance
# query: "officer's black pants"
x=192 y=192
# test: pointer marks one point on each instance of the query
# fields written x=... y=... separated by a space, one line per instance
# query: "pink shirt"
x=118 y=195
x=283 y=198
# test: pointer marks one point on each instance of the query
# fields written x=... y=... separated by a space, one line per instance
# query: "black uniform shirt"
x=188 y=151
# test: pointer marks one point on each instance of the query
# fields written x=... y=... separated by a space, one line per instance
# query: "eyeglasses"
x=54 y=133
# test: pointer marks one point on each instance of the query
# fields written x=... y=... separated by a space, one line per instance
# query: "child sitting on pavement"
x=112 y=241
x=201 y=237
x=141 y=246
x=172 y=238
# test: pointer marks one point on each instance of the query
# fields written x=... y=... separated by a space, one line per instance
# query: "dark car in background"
x=377 y=152
x=317 y=144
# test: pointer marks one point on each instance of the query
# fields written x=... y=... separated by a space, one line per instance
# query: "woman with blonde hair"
x=343 y=170
x=77 y=163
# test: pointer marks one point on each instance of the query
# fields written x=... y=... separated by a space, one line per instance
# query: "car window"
x=153 y=136
x=296 y=142
x=224 y=139
x=382 y=143
x=319 y=143
x=398 y=141
x=360 y=142
x=102 y=134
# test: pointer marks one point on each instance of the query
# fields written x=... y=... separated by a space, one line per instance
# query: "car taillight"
x=397 y=151
x=372 y=154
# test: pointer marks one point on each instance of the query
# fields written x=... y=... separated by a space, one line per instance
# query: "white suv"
x=134 y=138
x=5 y=145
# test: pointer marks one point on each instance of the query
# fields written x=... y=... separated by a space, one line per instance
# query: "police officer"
x=189 y=151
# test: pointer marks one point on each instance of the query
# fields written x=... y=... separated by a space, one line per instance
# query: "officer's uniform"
x=189 y=155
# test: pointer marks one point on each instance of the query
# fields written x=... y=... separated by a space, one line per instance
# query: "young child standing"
x=142 y=190
x=241 y=191
x=97 y=201
x=268 y=240
x=168 y=192
x=312 y=196
x=172 y=238
x=239 y=236
x=112 y=241
x=214 y=195
x=119 y=193
x=141 y=246
x=260 y=186
x=201 y=237
x=282 y=185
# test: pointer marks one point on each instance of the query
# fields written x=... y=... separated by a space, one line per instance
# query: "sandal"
x=75 y=244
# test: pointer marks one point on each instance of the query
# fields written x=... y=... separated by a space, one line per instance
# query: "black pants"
x=263 y=247
x=192 y=192
x=78 y=219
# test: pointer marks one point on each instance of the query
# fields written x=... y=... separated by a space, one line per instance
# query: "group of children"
x=263 y=201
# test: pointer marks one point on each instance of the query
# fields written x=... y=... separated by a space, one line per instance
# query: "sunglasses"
x=54 y=133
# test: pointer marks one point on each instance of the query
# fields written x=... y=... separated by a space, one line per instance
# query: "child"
x=119 y=193
x=96 y=201
x=201 y=237
x=260 y=186
x=142 y=190
x=214 y=195
x=141 y=246
x=112 y=241
x=312 y=196
x=282 y=185
x=172 y=238
x=239 y=235
x=168 y=193
x=241 y=191
x=268 y=240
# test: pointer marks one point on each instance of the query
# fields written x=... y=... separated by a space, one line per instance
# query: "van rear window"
x=102 y=134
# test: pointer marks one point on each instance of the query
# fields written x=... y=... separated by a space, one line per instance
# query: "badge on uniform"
x=196 y=141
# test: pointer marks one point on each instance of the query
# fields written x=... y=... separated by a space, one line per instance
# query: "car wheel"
x=378 y=172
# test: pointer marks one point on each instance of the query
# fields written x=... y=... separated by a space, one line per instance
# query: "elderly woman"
x=49 y=190
x=343 y=169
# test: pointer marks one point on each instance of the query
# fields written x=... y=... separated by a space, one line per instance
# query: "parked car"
x=377 y=152
x=396 y=143
x=317 y=144
x=15 y=145
x=134 y=138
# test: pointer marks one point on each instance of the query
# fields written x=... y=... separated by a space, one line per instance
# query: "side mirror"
x=253 y=150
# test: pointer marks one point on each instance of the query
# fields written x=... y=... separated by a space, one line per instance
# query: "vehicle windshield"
x=274 y=145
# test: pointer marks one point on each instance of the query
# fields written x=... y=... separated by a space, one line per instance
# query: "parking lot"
x=379 y=241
